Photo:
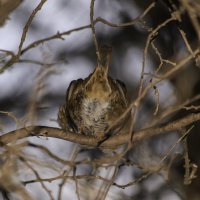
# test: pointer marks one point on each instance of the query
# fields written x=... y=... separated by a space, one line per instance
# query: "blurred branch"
x=90 y=177
x=85 y=177
x=15 y=57
x=192 y=11
x=160 y=164
x=66 y=173
x=132 y=22
x=190 y=168
x=152 y=34
x=187 y=43
x=174 y=109
x=38 y=177
x=104 y=189
x=38 y=62
x=9 y=180
x=50 y=154
x=135 y=103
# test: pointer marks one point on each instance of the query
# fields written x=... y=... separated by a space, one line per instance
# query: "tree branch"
x=112 y=142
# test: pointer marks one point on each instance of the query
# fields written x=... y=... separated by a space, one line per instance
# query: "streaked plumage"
x=94 y=103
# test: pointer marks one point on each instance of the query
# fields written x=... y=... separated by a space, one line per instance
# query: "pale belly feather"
x=94 y=114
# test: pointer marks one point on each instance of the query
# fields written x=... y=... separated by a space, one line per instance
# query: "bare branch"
x=93 y=29
x=92 y=141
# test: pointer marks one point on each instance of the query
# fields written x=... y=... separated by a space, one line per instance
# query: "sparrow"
x=93 y=104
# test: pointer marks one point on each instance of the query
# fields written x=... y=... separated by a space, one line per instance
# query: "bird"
x=93 y=104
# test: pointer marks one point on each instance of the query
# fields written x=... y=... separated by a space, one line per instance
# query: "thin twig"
x=132 y=22
x=38 y=177
x=28 y=23
x=93 y=30
x=15 y=58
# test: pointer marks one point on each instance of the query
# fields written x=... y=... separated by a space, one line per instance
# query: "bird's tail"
x=105 y=52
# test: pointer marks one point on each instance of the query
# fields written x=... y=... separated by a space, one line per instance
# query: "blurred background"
x=33 y=92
